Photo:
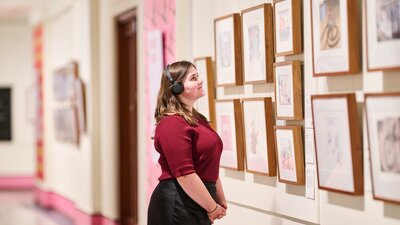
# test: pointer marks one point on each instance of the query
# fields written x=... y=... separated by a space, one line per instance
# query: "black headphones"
x=176 y=87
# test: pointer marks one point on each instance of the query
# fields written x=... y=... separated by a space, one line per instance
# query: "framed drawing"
x=5 y=114
x=383 y=34
x=288 y=91
x=336 y=37
x=338 y=149
x=259 y=136
x=383 y=125
x=80 y=102
x=230 y=128
x=257 y=44
x=66 y=125
x=289 y=150
x=287 y=24
x=63 y=82
x=205 y=105
x=228 y=50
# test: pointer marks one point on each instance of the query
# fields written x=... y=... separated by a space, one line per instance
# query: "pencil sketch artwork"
x=329 y=19
x=225 y=44
x=333 y=143
x=253 y=136
x=254 y=43
x=389 y=144
x=226 y=132
x=284 y=25
x=286 y=154
x=285 y=89
x=388 y=20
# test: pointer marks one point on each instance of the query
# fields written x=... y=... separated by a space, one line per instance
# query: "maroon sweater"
x=186 y=149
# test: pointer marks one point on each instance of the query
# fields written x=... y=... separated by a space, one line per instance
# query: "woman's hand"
x=218 y=213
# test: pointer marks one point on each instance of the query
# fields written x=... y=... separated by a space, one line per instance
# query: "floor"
x=18 y=208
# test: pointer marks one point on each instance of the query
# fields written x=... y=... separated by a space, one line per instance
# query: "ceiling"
x=16 y=10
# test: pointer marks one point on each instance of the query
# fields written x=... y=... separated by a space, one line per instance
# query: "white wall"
x=255 y=199
x=17 y=157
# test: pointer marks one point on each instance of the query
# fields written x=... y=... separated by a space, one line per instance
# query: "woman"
x=190 y=191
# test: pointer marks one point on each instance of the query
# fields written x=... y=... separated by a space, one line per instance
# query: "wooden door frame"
x=126 y=38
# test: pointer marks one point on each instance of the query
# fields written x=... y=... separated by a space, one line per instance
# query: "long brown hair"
x=167 y=102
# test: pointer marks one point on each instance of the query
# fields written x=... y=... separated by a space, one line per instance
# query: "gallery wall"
x=17 y=154
x=256 y=199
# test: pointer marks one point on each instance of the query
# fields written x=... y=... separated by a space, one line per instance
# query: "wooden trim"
x=239 y=134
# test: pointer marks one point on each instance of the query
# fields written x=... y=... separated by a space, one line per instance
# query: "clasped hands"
x=217 y=213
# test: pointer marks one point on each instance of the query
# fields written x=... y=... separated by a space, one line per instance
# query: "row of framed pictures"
x=252 y=142
x=288 y=89
x=245 y=43
x=250 y=137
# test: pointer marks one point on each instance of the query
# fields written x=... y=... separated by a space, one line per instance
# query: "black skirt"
x=170 y=205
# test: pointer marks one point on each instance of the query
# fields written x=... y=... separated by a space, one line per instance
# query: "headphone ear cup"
x=177 y=88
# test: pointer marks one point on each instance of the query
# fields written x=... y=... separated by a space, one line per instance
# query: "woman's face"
x=193 y=87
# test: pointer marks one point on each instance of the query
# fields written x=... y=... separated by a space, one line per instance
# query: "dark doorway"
x=127 y=116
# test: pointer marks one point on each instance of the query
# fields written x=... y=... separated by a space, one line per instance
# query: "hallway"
x=19 y=208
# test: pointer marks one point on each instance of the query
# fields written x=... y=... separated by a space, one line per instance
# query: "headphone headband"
x=176 y=87
x=171 y=80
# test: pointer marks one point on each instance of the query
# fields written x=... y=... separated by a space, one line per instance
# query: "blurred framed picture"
x=64 y=82
x=258 y=121
x=228 y=50
x=288 y=90
x=289 y=150
x=336 y=37
x=257 y=44
x=338 y=143
x=383 y=34
x=383 y=125
x=287 y=24
x=205 y=105
x=229 y=126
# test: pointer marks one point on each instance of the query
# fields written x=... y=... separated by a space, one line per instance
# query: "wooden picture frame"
x=383 y=42
x=337 y=139
x=287 y=27
x=258 y=121
x=290 y=156
x=80 y=103
x=336 y=45
x=229 y=126
x=228 y=50
x=205 y=105
x=258 y=49
x=288 y=91
x=383 y=128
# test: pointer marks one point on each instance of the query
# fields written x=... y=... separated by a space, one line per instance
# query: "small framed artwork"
x=258 y=53
x=383 y=125
x=205 y=105
x=383 y=34
x=259 y=136
x=289 y=150
x=337 y=137
x=228 y=50
x=336 y=37
x=63 y=82
x=80 y=102
x=5 y=114
x=229 y=126
x=288 y=91
x=287 y=24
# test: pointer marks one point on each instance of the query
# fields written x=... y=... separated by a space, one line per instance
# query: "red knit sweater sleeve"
x=174 y=137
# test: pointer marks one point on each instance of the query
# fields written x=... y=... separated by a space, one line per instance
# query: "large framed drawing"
x=258 y=53
x=229 y=126
x=5 y=114
x=337 y=143
x=287 y=24
x=383 y=125
x=289 y=148
x=383 y=34
x=336 y=37
x=259 y=136
x=205 y=105
x=228 y=50
x=288 y=90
